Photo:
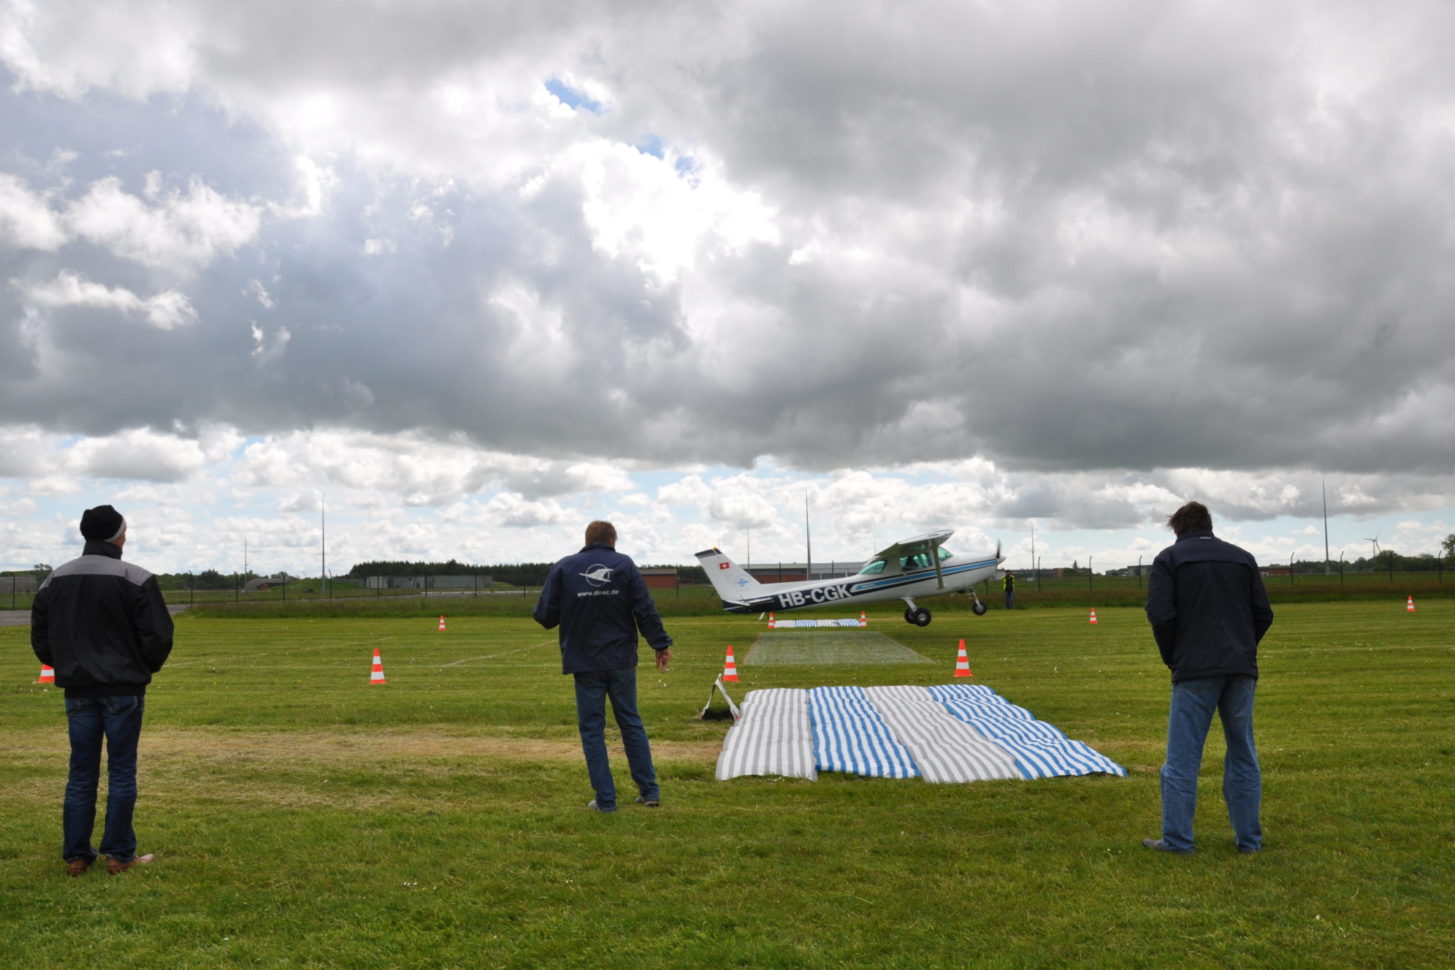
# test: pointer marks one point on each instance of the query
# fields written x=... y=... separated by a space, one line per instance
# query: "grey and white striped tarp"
x=952 y=733
x=773 y=737
x=946 y=748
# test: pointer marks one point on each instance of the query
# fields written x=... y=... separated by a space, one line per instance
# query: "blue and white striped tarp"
x=1039 y=749
x=804 y=624
x=953 y=733
x=850 y=736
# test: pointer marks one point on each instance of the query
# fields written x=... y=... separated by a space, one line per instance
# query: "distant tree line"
x=206 y=579
x=512 y=574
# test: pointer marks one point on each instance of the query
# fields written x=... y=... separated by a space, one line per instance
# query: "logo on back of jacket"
x=598 y=575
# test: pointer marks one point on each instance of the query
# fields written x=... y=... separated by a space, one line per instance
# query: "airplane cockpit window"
x=873 y=568
x=944 y=553
x=919 y=560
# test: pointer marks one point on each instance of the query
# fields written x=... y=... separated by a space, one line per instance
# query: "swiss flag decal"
x=723 y=565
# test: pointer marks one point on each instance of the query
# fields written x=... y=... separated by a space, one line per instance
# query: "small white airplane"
x=919 y=566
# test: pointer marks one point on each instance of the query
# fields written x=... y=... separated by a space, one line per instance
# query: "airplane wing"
x=927 y=543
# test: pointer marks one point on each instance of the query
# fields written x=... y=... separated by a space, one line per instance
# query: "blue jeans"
x=592 y=690
x=117 y=720
x=1193 y=703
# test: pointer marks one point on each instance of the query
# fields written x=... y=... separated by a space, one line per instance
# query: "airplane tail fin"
x=733 y=583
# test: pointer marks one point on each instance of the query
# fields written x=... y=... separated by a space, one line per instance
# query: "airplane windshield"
x=872 y=568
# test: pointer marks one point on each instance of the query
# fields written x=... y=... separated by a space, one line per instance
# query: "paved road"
x=22 y=617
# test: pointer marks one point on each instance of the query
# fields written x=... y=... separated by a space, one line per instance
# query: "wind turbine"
x=1375 y=542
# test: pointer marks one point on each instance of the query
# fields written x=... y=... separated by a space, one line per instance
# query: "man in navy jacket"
x=104 y=627
x=1208 y=610
x=600 y=602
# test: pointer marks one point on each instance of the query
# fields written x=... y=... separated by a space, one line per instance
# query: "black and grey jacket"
x=102 y=624
x=1208 y=608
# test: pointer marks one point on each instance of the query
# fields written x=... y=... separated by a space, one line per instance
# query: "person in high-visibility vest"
x=1008 y=584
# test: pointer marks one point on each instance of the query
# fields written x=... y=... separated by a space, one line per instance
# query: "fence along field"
x=304 y=818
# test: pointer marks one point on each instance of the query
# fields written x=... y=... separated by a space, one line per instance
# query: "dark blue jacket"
x=599 y=600
x=102 y=624
x=1207 y=607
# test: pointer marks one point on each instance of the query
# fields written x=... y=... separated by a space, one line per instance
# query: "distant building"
x=259 y=583
x=660 y=577
x=797 y=572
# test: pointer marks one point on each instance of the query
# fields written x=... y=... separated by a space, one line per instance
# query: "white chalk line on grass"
x=234 y=660
x=503 y=653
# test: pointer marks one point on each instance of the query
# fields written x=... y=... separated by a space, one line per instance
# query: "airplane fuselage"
x=958 y=573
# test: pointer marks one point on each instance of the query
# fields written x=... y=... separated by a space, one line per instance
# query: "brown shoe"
x=114 y=866
x=77 y=867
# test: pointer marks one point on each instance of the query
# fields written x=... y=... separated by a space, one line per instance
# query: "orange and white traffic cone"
x=442 y=623
x=962 y=663
x=771 y=621
x=863 y=620
x=1093 y=616
x=729 y=666
x=376 y=676
x=47 y=675
x=1409 y=605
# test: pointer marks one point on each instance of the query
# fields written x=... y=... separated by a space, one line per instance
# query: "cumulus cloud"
x=163 y=229
x=165 y=311
x=136 y=454
x=26 y=220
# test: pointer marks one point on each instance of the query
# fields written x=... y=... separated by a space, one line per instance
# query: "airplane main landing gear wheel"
x=979 y=608
x=919 y=616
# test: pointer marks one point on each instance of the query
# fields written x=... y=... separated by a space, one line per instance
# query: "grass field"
x=304 y=818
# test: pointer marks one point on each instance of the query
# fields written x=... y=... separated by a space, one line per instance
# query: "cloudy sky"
x=468 y=275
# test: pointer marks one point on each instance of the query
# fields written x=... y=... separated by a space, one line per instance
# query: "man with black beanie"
x=102 y=624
